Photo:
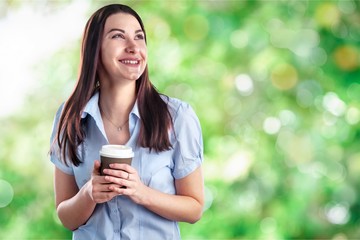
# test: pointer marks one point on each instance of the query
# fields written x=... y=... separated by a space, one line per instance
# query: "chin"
x=134 y=77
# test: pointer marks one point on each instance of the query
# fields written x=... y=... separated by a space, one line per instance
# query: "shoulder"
x=183 y=115
x=177 y=107
x=59 y=112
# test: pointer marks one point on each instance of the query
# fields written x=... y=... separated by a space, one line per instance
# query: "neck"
x=117 y=102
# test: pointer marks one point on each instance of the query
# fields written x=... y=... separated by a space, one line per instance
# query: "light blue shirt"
x=121 y=218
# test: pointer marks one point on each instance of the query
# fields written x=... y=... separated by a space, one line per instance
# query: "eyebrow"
x=123 y=31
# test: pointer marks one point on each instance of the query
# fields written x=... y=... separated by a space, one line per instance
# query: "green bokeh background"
x=276 y=86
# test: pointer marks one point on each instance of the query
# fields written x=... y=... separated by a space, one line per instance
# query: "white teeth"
x=130 y=61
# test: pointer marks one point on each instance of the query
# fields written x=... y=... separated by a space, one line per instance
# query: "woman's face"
x=123 y=54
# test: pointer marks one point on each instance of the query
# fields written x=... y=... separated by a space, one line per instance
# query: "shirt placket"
x=115 y=218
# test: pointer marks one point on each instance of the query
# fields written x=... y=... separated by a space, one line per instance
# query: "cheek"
x=106 y=56
x=102 y=55
x=102 y=60
x=143 y=49
x=144 y=53
x=109 y=50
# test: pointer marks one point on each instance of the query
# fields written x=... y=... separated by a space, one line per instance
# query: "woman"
x=114 y=102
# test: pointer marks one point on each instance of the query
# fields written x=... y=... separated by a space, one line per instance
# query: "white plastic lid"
x=116 y=151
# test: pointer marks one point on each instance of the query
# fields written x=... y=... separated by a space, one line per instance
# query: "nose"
x=132 y=48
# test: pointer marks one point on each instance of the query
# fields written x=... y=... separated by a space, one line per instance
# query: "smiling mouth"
x=131 y=62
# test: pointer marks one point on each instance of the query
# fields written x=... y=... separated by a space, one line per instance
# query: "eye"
x=118 y=35
x=139 y=36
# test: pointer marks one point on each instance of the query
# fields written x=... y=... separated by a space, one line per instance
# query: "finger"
x=104 y=187
x=111 y=195
x=117 y=181
x=121 y=190
x=100 y=184
x=104 y=197
x=96 y=180
x=96 y=169
x=123 y=166
x=116 y=173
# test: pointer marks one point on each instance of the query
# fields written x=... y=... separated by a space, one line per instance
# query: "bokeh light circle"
x=244 y=84
x=239 y=39
x=196 y=27
x=327 y=15
x=347 y=57
x=347 y=7
x=272 y=125
x=284 y=76
x=6 y=193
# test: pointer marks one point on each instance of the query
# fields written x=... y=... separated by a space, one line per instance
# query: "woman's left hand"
x=126 y=176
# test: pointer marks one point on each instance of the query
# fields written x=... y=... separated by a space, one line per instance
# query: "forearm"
x=75 y=211
x=173 y=207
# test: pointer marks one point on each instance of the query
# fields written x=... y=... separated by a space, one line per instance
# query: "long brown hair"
x=155 y=116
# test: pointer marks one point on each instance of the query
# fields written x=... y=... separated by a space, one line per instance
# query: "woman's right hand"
x=98 y=188
x=75 y=206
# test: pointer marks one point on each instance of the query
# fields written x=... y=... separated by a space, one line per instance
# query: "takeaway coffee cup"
x=114 y=154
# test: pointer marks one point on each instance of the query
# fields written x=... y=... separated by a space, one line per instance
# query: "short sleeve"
x=55 y=153
x=188 y=148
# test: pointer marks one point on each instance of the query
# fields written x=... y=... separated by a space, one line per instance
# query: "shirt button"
x=116 y=231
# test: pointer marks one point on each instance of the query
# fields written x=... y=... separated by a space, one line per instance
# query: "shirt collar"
x=135 y=110
x=92 y=108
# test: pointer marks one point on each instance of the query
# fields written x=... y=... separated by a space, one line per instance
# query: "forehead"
x=123 y=21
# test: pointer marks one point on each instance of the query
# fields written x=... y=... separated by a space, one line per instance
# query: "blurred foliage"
x=276 y=87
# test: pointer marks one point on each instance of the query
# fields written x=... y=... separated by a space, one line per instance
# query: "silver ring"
x=128 y=176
